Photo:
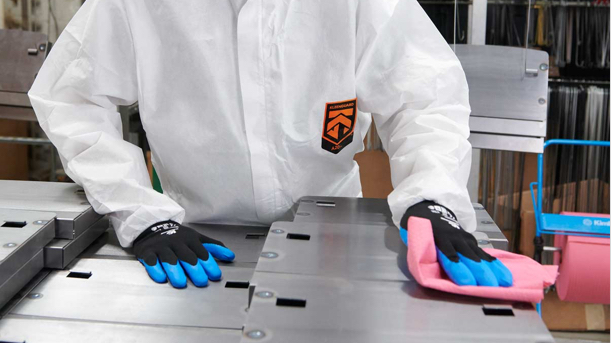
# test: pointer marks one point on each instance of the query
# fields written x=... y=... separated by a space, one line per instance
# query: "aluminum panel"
x=11 y=285
x=486 y=225
x=44 y=330
x=19 y=64
x=17 y=113
x=245 y=241
x=336 y=250
x=343 y=210
x=15 y=99
x=19 y=244
x=506 y=143
x=508 y=126
x=366 y=252
x=60 y=252
x=67 y=200
x=120 y=291
x=339 y=310
x=247 y=249
x=498 y=84
x=376 y=211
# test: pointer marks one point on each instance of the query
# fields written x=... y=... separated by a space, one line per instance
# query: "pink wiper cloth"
x=529 y=277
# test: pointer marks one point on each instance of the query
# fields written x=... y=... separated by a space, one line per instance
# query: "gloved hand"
x=160 y=247
x=463 y=261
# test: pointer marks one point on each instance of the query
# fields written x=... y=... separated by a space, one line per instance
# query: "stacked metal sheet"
x=42 y=224
x=339 y=275
x=23 y=235
x=77 y=225
x=106 y=296
x=343 y=279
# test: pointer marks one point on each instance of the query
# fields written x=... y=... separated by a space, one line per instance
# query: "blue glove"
x=172 y=251
x=457 y=252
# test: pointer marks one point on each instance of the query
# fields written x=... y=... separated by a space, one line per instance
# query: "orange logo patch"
x=338 y=126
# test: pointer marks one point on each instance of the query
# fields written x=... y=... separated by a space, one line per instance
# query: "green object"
x=156 y=182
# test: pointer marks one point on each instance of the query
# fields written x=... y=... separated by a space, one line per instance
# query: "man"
x=250 y=105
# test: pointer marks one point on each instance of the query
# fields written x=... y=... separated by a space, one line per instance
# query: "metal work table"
x=339 y=276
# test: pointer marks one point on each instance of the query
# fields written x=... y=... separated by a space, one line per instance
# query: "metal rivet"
x=277 y=231
x=255 y=334
x=486 y=222
x=302 y=214
x=10 y=245
x=478 y=208
x=483 y=242
x=269 y=254
x=307 y=201
x=35 y=295
x=541 y=101
x=40 y=222
x=264 y=294
x=544 y=66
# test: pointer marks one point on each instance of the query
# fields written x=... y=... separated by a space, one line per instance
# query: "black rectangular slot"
x=290 y=302
x=255 y=235
x=80 y=275
x=325 y=203
x=237 y=284
x=299 y=236
x=14 y=224
x=498 y=311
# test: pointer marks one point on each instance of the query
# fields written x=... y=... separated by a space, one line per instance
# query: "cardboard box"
x=14 y=164
x=567 y=316
x=375 y=174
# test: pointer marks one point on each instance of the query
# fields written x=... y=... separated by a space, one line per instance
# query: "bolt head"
x=255 y=334
x=34 y=295
x=277 y=231
x=10 y=245
x=269 y=254
x=40 y=222
x=264 y=294
x=542 y=101
x=483 y=242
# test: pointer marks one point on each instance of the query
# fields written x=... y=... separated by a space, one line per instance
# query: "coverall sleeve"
x=90 y=70
x=410 y=80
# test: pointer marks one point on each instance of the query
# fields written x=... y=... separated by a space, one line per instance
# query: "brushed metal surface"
x=43 y=330
x=498 y=85
x=67 y=200
x=376 y=211
x=19 y=68
x=358 y=311
x=345 y=210
x=21 y=255
x=11 y=285
x=247 y=250
x=60 y=252
x=120 y=291
x=508 y=126
x=353 y=251
x=506 y=143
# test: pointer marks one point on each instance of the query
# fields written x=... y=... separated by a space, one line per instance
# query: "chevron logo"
x=338 y=128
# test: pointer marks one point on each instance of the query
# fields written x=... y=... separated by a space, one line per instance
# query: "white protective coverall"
x=237 y=102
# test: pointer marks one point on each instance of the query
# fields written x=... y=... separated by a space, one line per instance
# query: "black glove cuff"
x=422 y=210
x=156 y=228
